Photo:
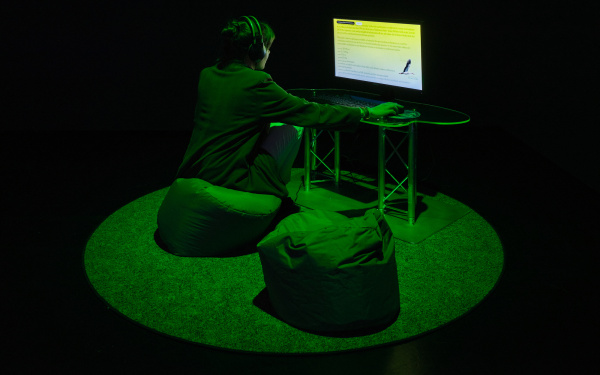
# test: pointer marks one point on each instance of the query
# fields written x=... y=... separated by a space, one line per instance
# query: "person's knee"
x=299 y=131
x=290 y=131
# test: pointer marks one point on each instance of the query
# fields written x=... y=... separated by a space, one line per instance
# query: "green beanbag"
x=325 y=272
x=199 y=219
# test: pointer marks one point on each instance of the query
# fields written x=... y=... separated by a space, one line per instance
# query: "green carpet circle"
x=210 y=301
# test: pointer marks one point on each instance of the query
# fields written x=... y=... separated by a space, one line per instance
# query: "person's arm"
x=280 y=106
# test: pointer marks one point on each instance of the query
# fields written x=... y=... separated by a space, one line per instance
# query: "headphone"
x=257 y=50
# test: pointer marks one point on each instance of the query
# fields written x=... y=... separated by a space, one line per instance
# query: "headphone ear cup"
x=257 y=50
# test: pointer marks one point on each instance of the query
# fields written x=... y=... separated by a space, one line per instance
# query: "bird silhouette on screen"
x=405 y=71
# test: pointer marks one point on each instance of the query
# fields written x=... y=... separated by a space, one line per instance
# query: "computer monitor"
x=379 y=52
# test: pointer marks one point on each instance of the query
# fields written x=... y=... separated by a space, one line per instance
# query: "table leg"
x=307 y=159
x=336 y=157
x=310 y=161
x=412 y=171
x=381 y=168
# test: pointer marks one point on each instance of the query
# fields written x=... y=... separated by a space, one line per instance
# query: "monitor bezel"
x=380 y=89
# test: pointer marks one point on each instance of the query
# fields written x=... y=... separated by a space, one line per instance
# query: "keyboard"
x=358 y=101
x=344 y=99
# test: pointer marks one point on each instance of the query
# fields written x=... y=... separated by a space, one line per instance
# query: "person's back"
x=228 y=126
x=233 y=144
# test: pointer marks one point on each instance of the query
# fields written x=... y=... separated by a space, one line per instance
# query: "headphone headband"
x=249 y=21
x=257 y=50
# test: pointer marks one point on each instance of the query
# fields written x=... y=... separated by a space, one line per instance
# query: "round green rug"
x=220 y=302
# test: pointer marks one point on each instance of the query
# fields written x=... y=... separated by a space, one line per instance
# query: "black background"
x=97 y=105
x=115 y=65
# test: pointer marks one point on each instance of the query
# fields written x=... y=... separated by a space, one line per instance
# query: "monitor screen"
x=387 y=53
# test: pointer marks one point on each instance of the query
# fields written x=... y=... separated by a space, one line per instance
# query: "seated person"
x=235 y=142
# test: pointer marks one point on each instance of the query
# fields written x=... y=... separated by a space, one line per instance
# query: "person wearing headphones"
x=240 y=138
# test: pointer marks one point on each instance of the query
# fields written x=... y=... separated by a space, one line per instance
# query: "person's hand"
x=385 y=109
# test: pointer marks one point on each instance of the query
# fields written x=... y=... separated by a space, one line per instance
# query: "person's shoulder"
x=256 y=77
x=209 y=70
x=239 y=69
x=263 y=76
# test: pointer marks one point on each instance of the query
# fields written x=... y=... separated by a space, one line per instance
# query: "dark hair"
x=236 y=38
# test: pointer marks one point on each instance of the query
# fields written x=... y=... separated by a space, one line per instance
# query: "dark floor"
x=58 y=187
